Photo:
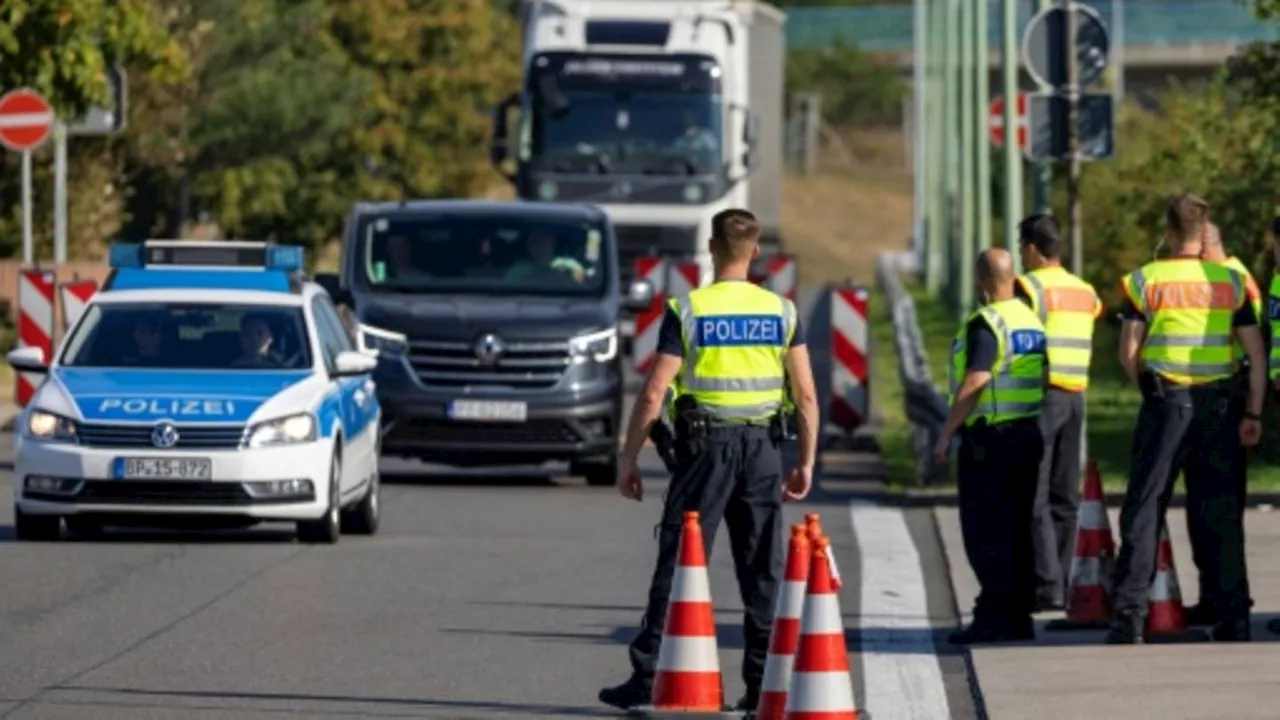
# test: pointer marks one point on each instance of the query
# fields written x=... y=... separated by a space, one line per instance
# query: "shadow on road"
x=523 y=709
x=466 y=479
x=129 y=535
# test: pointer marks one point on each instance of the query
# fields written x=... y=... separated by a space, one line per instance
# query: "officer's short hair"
x=734 y=234
x=1041 y=232
x=1186 y=215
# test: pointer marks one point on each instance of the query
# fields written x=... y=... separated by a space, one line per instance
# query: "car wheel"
x=80 y=525
x=599 y=472
x=329 y=527
x=363 y=518
x=40 y=528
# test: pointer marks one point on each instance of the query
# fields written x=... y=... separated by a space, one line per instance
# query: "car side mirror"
x=350 y=362
x=28 y=359
x=639 y=295
x=500 y=138
x=332 y=284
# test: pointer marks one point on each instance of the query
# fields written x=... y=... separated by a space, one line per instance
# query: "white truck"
x=661 y=112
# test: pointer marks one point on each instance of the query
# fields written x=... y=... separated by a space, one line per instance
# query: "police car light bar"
x=222 y=253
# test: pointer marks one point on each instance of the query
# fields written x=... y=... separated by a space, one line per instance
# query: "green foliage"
x=857 y=88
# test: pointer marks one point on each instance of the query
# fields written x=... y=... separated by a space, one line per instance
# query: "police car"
x=205 y=381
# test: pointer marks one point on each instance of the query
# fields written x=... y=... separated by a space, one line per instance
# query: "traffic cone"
x=786 y=628
x=1092 y=563
x=821 y=686
x=1166 y=615
x=813 y=522
x=687 y=682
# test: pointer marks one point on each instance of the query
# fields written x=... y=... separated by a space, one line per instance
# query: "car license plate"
x=164 y=468
x=488 y=411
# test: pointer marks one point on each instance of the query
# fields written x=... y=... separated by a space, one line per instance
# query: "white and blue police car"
x=206 y=382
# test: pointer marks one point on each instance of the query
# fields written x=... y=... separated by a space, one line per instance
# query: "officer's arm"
x=1132 y=333
x=981 y=353
x=648 y=407
x=1245 y=322
x=805 y=396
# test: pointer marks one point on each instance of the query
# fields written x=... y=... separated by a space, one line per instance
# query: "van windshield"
x=492 y=254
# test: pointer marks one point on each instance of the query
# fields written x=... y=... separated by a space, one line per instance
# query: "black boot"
x=1127 y=629
x=749 y=701
x=1236 y=630
x=635 y=691
x=992 y=632
x=1202 y=614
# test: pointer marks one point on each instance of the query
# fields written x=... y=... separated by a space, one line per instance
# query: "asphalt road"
x=500 y=595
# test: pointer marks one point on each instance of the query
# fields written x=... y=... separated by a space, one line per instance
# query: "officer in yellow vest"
x=733 y=346
x=1273 y=304
x=1068 y=307
x=1213 y=250
x=998 y=375
x=1176 y=344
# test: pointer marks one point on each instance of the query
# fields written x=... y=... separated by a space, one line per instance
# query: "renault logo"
x=164 y=435
x=488 y=348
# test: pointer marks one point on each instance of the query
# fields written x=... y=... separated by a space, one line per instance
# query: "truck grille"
x=521 y=366
x=132 y=436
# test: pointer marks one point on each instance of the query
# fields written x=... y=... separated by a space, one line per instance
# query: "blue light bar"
x=125 y=255
x=284 y=257
x=222 y=254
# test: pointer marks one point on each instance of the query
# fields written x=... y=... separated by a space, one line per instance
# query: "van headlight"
x=376 y=341
x=601 y=346
x=43 y=425
x=289 y=430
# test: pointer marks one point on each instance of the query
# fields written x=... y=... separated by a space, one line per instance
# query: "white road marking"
x=902 y=675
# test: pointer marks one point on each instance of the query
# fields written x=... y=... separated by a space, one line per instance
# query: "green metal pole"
x=1042 y=191
x=968 y=149
x=952 y=140
x=1013 y=209
x=934 y=276
x=982 y=52
x=927 y=166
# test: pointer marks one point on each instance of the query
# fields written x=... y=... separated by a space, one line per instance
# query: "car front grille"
x=190 y=437
x=521 y=366
x=163 y=492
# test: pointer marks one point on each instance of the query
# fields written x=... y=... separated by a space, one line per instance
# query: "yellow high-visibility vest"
x=1188 y=304
x=1017 y=385
x=1251 y=292
x=1068 y=308
x=1273 y=319
x=736 y=336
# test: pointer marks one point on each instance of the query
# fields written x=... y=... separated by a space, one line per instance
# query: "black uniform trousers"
x=1240 y=399
x=1057 y=500
x=739 y=479
x=1187 y=429
x=997 y=467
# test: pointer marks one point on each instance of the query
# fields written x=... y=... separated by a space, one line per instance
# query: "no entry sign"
x=26 y=120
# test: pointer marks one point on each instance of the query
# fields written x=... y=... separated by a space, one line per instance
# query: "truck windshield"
x=641 y=132
x=491 y=254
x=194 y=336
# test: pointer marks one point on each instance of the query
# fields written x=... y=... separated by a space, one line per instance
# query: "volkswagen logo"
x=164 y=435
x=488 y=348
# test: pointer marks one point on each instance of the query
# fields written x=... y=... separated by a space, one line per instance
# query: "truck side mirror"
x=332 y=284
x=750 y=134
x=639 y=295
x=500 y=138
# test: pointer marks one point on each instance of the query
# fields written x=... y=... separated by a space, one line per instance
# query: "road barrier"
x=849 y=406
x=648 y=321
x=74 y=296
x=926 y=408
x=35 y=325
x=778 y=273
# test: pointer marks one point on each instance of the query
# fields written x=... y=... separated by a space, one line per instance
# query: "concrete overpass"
x=1154 y=40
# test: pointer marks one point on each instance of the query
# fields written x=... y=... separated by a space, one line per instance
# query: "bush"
x=857 y=88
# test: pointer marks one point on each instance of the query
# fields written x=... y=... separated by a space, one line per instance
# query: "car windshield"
x=199 y=336
x=493 y=254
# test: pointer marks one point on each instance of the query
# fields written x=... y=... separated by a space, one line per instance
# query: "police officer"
x=1213 y=251
x=998 y=376
x=1176 y=344
x=730 y=344
x=1068 y=307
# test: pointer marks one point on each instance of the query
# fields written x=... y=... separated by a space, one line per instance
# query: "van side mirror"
x=639 y=295
x=332 y=284
x=501 y=136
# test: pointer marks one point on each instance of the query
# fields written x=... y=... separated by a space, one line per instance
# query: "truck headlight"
x=601 y=346
x=376 y=341
x=298 y=428
x=43 y=425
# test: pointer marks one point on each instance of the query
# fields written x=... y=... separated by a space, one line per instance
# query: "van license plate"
x=164 y=468
x=488 y=411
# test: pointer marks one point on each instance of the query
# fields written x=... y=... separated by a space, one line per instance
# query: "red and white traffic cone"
x=786 y=628
x=1166 y=615
x=1092 y=563
x=813 y=522
x=821 y=687
x=687 y=682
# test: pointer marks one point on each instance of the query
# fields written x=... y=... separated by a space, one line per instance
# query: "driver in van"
x=541 y=246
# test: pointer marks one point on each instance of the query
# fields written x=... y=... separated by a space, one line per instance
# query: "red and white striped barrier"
x=683 y=278
x=777 y=273
x=644 y=345
x=35 y=324
x=75 y=297
x=849 y=379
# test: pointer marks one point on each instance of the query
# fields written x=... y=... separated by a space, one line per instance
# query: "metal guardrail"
x=926 y=408
x=888 y=28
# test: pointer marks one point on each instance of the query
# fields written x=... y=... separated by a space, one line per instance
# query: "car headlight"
x=600 y=346
x=283 y=431
x=47 y=426
x=376 y=341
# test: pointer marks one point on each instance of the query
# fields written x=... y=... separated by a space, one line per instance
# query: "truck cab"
x=662 y=113
x=495 y=327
